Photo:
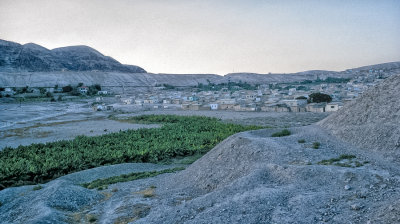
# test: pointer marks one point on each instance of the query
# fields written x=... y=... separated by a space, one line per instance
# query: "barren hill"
x=371 y=121
x=31 y=57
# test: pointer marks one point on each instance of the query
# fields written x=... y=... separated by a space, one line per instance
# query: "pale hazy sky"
x=211 y=36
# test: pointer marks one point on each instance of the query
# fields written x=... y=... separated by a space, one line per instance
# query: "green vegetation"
x=91 y=218
x=301 y=141
x=327 y=80
x=343 y=160
x=67 y=89
x=319 y=98
x=37 y=187
x=166 y=86
x=230 y=86
x=284 y=132
x=180 y=136
x=103 y=183
x=316 y=145
x=301 y=98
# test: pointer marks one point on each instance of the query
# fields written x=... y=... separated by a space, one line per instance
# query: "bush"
x=42 y=90
x=91 y=218
x=49 y=94
x=284 y=132
x=316 y=145
x=301 y=141
x=97 y=87
x=319 y=98
x=67 y=89
x=36 y=188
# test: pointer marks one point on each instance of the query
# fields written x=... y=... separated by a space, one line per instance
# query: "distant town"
x=319 y=95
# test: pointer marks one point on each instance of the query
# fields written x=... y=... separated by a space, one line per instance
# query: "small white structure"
x=127 y=100
x=102 y=92
x=332 y=107
x=214 y=106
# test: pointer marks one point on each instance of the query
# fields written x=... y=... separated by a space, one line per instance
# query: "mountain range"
x=31 y=65
x=35 y=58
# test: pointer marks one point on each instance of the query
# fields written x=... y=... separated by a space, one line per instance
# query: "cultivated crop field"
x=178 y=136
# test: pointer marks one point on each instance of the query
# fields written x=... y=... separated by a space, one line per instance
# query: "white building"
x=214 y=106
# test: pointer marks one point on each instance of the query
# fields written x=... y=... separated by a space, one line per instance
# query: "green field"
x=179 y=136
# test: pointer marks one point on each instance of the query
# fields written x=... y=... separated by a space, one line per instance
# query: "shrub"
x=59 y=98
x=301 y=141
x=316 y=145
x=284 y=132
x=24 y=89
x=91 y=218
x=42 y=90
x=67 y=89
x=319 y=98
x=97 y=87
x=37 y=187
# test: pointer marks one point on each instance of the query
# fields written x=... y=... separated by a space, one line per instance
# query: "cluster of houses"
x=11 y=91
x=273 y=97
x=263 y=99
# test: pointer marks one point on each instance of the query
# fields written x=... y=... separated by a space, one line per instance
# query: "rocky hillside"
x=371 y=121
x=255 y=78
x=31 y=57
x=114 y=81
x=383 y=66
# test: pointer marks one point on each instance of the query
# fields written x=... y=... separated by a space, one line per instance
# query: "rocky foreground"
x=248 y=178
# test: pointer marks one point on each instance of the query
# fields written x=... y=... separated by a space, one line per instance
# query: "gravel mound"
x=254 y=178
x=58 y=200
x=372 y=121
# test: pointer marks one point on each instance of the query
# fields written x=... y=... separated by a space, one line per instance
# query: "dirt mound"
x=372 y=121
x=254 y=178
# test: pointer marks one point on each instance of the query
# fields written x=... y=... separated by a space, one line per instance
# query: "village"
x=274 y=97
x=231 y=96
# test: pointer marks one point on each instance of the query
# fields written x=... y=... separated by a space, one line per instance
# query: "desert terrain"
x=251 y=177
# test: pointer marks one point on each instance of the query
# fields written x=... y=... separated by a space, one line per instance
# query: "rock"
x=347 y=187
x=356 y=207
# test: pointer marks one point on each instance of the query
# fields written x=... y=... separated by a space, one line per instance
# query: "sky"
x=214 y=36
